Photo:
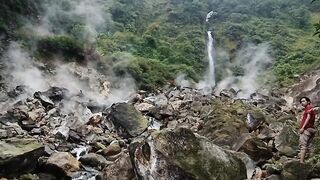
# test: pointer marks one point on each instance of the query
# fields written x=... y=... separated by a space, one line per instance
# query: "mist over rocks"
x=103 y=140
x=103 y=123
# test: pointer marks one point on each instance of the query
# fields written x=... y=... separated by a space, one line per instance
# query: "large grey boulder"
x=122 y=169
x=94 y=160
x=254 y=119
x=17 y=91
x=225 y=123
x=287 y=142
x=315 y=170
x=254 y=147
x=56 y=93
x=180 y=154
x=126 y=116
x=27 y=112
x=19 y=156
x=294 y=170
x=266 y=133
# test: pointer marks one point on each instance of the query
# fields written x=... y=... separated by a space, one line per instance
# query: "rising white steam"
x=182 y=81
x=91 y=15
x=93 y=85
x=253 y=60
x=22 y=70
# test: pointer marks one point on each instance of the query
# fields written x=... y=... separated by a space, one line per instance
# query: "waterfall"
x=209 y=80
x=211 y=56
x=209 y=15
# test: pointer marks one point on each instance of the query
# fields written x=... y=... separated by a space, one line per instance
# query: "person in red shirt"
x=307 y=130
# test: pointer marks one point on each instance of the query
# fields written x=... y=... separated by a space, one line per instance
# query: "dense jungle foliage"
x=154 y=40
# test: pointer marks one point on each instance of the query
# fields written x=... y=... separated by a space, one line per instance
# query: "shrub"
x=63 y=46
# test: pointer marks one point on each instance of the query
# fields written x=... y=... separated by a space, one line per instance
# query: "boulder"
x=287 y=141
x=254 y=119
x=180 y=154
x=161 y=100
x=64 y=161
x=294 y=170
x=273 y=168
x=19 y=111
x=276 y=126
x=17 y=91
x=112 y=149
x=19 y=156
x=266 y=133
x=315 y=171
x=95 y=119
x=254 y=147
x=228 y=93
x=4 y=133
x=225 y=123
x=122 y=169
x=175 y=105
x=94 y=160
x=45 y=101
x=126 y=116
x=56 y=93
x=144 y=107
x=5 y=119
x=28 y=112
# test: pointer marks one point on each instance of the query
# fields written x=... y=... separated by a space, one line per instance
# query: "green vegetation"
x=63 y=46
x=14 y=12
x=149 y=73
x=168 y=37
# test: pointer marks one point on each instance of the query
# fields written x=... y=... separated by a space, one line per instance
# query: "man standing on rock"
x=307 y=130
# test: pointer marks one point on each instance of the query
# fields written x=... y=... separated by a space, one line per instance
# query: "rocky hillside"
x=106 y=89
x=176 y=133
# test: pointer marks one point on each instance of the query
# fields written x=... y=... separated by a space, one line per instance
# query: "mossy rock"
x=184 y=155
x=294 y=170
x=227 y=121
x=126 y=116
x=287 y=142
x=18 y=156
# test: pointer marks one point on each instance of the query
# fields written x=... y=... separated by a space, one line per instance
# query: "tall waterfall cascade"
x=210 y=79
